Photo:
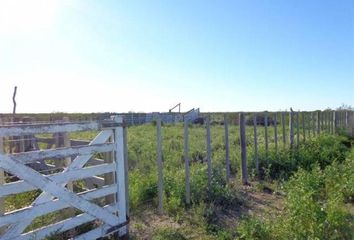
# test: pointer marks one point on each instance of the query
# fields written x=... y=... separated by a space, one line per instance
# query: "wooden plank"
x=159 y=166
x=276 y=131
x=332 y=122
x=61 y=226
x=48 y=185
x=28 y=129
x=74 y=174
x=28 y=157
x=186 y=161
x=208 y=143
x=120 y=175
x=318 y=122
x=313 y=121
x=54 y=205
x=227 y=148
x=243 y=149
x=78 y=162
x=308 y=123
x=303 y=126
x=255 y=139
x=291 y=128
x=283 y=126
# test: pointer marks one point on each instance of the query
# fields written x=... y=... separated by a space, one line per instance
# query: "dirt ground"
x=258 y=200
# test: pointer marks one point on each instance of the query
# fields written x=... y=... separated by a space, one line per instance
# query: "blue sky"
x=96 y=56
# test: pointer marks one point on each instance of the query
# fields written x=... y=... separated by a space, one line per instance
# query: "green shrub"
x=281 y=164
x=250 y=228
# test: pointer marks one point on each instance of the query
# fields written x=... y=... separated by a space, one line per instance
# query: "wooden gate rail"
x=55 y=194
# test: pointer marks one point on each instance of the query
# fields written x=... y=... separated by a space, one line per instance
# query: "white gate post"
x=120 y=174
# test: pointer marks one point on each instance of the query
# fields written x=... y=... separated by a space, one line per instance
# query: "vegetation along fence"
x=288 y=129
x=76 y=191
x=79 y=188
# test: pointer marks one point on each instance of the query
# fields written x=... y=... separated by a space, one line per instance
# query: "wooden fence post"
x=276 y=131
x=303 y=126
x=291 y=128
x=327 y=122
x=346 y=119
x=313 y=121
x=2 y=180
x=318 y=122
x=266 y=133
x=243 y=149
x=255 y=142
x=283 y=126
x=227 y=151
x=186 y=161
x=307 y=119
x=159 y=165
x=330 y=116
x=335 y=122
x=208 y=142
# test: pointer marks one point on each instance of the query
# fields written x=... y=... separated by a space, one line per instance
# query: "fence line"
x=308 y=121
x=113 y=140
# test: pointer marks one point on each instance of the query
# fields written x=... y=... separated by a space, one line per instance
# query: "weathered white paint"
x=120 y=175
x=52 y=187
x=61 y=226
x=28 y=129
x=54 y=205
x=78 y=163
x=28 y=157
x=63 y=178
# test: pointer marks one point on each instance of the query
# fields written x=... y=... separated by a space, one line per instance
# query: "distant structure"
x=166 y=117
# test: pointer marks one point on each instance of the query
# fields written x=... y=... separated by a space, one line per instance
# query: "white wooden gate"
x=88 y=207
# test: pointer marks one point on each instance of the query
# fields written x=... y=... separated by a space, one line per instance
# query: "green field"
x=224 y=212
x=301 y=193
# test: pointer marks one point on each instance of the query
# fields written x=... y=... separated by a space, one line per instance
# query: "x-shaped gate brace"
x=50 y=189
